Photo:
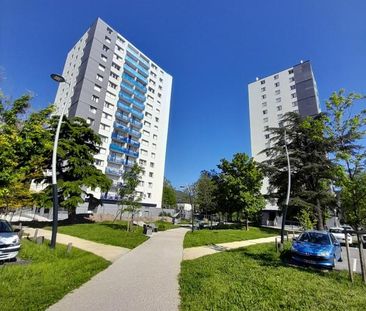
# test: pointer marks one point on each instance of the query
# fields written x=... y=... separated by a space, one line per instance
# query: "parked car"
x=316 y=248
x=338 y=232
x=9 y=241
x=347 y=227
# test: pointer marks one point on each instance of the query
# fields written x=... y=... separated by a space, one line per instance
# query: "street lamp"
x=188 y=187
x=288 y=191
x=60 y=79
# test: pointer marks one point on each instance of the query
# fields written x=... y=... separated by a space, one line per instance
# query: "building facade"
x=290 y=90
x=125 y=97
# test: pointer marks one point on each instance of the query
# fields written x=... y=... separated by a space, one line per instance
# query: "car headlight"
x=293 y=249
x=324 y=253
x=15 y=242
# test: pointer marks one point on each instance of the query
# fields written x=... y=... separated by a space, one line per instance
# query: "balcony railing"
x=120 y=149
x=135 y=73
x=143 y=71
x=129 y=109
x=116 y=160
x=134 y=82
x=136 y=123
x=113 y=171
x=127 y=129
x=131 y=100
x=139 y=57
x=126 y=140
x=127 y=119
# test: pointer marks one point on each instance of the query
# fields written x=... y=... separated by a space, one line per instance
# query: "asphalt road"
x=355 y=260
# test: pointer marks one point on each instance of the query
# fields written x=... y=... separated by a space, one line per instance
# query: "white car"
x=338 y=233
x=9 y=241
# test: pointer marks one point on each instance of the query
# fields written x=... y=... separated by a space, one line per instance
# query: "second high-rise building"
x=125 y=97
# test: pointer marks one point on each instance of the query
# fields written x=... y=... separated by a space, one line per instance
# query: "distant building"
x=125 y=97
x=293 y=89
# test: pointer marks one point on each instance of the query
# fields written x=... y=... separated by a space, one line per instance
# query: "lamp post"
x=60 y=79
x=188 y=187
x=288 y=191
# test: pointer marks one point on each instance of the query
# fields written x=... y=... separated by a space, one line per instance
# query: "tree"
x=239 y=183
x=129 y=198
x=205 y=193
x=346 y=126
x=169 y=197
x=76 y=173
x=311 y=169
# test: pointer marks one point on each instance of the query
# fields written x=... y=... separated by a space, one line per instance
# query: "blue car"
x=316 y=248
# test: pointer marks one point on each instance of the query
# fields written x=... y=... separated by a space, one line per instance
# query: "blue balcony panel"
x=142 y=70
x=135 y=73
x=126 y=151
x=138 y=57
x=126 y=140
x=134 y=82
x=113 y=171
x=116 y=160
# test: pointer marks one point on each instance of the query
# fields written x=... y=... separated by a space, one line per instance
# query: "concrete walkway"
x=196 y=252
x=108 y=252
x=144 y=279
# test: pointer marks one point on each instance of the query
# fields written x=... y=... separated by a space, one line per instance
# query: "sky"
x=212 y=48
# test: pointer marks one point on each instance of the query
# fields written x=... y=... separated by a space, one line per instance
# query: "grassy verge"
x=207 y=237
x=254 y=278
x=107 y=233
x=164 y=225
x=49 y=276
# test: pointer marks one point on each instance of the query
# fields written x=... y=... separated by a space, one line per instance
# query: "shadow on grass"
x=115 y=226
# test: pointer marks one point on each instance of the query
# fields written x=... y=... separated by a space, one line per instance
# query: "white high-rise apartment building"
x=125 y=97
x=293 y=89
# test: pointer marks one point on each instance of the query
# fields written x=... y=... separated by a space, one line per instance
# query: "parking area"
x=354 y=257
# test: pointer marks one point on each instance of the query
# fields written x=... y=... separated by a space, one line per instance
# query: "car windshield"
x=336 y=230
x=5 y=227
x=315 y=237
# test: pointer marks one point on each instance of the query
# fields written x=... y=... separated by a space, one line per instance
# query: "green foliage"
x=169 y=196
x=205 y=189
x=49 y=276
x=209 y=237
x=254 y=278
x=306 y=219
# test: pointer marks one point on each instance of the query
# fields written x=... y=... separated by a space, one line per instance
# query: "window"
x=118 y=48
x=148 y=115
x=105 y=48
x=146 y=133
x=294 y=104
x=95 y=98
x=291 y=71
x=265 y=120
x=277 y=92
x=263 y=81
x=153 y=74
x=160 y=79
x=155 y=137
x=108 y=105
x=265 y=111
x=279 y=116
x=154 y=66
x=149 y=106
x=113 y=75
x=266 y=136
x=156 y=119
x=264 y=104
x=103 y=57
x=151 y=90
x=275 y=77
x=117 y=57
x=263 y=89
x=277 y=84
x=92 y=109
x=297 y=111
x=157 y=111
x=102 y=150
x=114 y=65
x=99 y=162
x=151 y=174
x=120 y=40
x=104 y=139
x=156 y=127
x=149 y=195
x=109 y=30
x=97 y=87
x=99 y=77
x=279 y=108
x=292 y=87
x=293 y=95
x=147 y=124
x=154 y=146
x=266 y=128
x=145 y=142
x=292 y=79
x=112 y=85
x=144 y=152
x=150 y=184
x=278 y=99
x=142 y=162
x=107 y=39
x=90 y=121
x=152 y=81
x=107 y=116
x=101 y=67
x=142 y=183
x=110 y=95
x=264 y=96
x=104 y=127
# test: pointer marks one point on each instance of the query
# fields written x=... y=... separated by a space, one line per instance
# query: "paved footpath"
x=196 y=252
x=108 y=252
x=146 y=278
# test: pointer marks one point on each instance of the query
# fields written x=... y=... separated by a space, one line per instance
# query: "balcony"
x=143 y=71
x=135 y=73
x=126 y=151
x=116 y=160
x=136 y=113
x=138 y=57
x=134 y=82
x=123 y=117
x=127 y=88
x=113 y=171
x=126 y=140
x=136 y=123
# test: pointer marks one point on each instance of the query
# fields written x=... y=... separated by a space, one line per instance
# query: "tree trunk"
x=246 y=223
x=362 y=258
x=319 y=216
x=72 y=215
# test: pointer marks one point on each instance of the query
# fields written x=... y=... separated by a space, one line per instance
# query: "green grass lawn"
x=49 y=276
x=165 y=225
x=106 y=233
x=254 y=278
x=207 y=237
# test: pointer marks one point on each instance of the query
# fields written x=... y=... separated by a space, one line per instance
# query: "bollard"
x=40 y=240
x=276 y=241
x=69 y=247
x=20 y=234
x=35 y=234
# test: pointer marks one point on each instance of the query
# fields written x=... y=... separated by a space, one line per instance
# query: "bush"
x=228 y=226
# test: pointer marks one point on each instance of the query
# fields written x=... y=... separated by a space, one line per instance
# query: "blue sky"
x=213 y=49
